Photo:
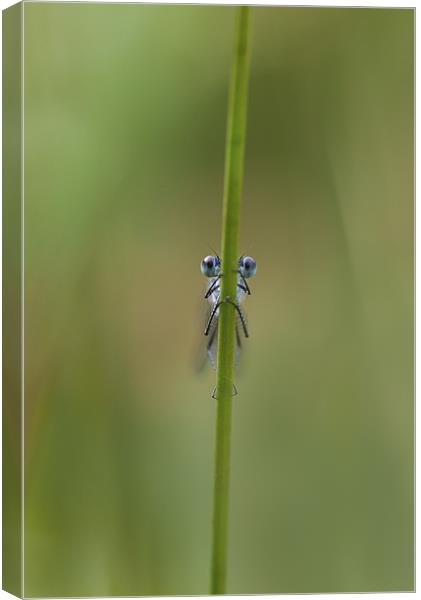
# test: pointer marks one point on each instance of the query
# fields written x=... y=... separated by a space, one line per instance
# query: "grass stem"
x=234 y=159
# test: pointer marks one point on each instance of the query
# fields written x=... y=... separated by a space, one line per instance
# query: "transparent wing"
x=212 y=339
x=239 y=334
x=212 y=344
x=206 y=346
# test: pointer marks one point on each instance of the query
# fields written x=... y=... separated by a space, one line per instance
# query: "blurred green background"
x=125 y=109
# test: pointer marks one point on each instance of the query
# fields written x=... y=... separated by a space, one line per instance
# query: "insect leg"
x=240 y=314
x=237 y=308
x=209 y=323
x=211 y=339
x=212 y=286
x=233 y=388
x=237 y=335
x=244 y=281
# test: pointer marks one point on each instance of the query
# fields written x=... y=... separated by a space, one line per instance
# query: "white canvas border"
x=360 y=4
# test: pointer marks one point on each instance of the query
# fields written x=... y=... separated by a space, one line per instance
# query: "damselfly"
x=211 y=268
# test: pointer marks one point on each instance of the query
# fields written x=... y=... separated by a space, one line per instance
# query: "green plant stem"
x=234 y=159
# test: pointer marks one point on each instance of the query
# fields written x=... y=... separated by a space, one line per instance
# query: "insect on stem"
x=225 y=312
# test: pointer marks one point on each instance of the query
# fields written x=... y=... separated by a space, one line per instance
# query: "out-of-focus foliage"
x=125 y=111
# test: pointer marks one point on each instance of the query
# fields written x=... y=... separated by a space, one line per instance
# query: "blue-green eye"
x=210 y=266
x=247 y=266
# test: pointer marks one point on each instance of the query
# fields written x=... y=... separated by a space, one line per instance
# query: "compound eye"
x=247 y=266
x=210 y=266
